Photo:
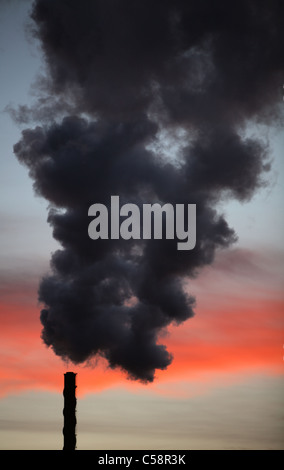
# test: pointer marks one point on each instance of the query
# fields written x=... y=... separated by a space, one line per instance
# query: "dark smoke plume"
x=120 y=74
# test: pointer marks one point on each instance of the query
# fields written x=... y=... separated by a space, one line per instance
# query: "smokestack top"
x=70 y=380
x=69 y=375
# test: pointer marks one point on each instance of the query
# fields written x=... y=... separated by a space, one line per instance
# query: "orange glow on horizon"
x=245 y=337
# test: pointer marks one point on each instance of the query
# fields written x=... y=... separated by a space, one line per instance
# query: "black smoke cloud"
x=117 y=74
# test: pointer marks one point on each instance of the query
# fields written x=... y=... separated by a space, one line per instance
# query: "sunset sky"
x=224 y=388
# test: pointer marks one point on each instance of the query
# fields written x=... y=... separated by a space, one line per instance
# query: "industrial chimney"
x=69 y=411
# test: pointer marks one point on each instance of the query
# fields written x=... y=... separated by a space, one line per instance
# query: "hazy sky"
x=224 y=389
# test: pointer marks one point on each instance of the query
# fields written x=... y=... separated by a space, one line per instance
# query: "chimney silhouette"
x=69 y=411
